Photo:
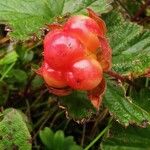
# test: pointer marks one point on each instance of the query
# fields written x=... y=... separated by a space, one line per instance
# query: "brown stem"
x=28 y=84
x=121 y=78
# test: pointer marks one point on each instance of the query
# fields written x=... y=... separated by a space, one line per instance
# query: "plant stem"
x=83 y=134
x=147 y=82
x=122 y=78
x=6 y=72
x=98 y=137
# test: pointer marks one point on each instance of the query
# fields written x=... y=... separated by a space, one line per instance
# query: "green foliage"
x=27 y=17
x=131 y=138
x=9 y=58
x=20 y=75
x=130 y=45
x=78 y=105
x=141 y=98
x=123 y=108
x=21 y=88
x=57 y=140
x=13 y=131
x=79 y=6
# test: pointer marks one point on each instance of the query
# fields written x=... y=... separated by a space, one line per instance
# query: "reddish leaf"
x=104 y=54
x=60 y=91
x=54 y=26
x=99 y=21
x=97 y=93
x=40 y=71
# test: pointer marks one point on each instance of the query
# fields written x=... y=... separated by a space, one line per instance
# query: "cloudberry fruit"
x=52 y=77
x=84 y=74
x=61 y=49
x=85 y=29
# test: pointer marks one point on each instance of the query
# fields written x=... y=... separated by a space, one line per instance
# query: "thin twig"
x=7 y=71
x=98 y=137
x=83 y=134
x=121 y=78
x=28 y=84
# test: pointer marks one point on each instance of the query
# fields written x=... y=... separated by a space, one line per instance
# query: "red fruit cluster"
x=76 y=54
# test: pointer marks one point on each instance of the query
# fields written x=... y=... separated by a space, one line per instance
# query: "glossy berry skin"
x=84 y=74
x=52 y=77
x=61 y=49
x=85 y=29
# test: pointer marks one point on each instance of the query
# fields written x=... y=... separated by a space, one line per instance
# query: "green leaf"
x=9 y=58
x=123 y=108
x=36 y=82
x=78 y=105
x=13 y=131
x=130 y=45
x=57 y=141
x=28 y=16
x=47 y=137
x=4 y=92
x=79 y=6
x=131 y=138
x=141 y=98
x=20 y=75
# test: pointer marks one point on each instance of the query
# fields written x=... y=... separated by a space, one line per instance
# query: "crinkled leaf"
x=77 y=105
x=28 y=16
x=14 y=132
x=130 y=45
x=131 y=138
x=79 y=6
x=141 y=98
x=122 y=107
x=57 y=140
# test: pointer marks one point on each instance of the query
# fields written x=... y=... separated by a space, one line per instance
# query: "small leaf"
x=96 y=95
x=57 y=141
x=131 y=138
x=20 y=75
x=9 y=58
x=37 y=82
x=78 y=105
x=47 y=137
x=122 y=107
x=11 y=137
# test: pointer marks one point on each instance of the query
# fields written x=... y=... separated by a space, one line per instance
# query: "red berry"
x=84 y=74
x=52 y=77
x=85 y=29
x=61 y=49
